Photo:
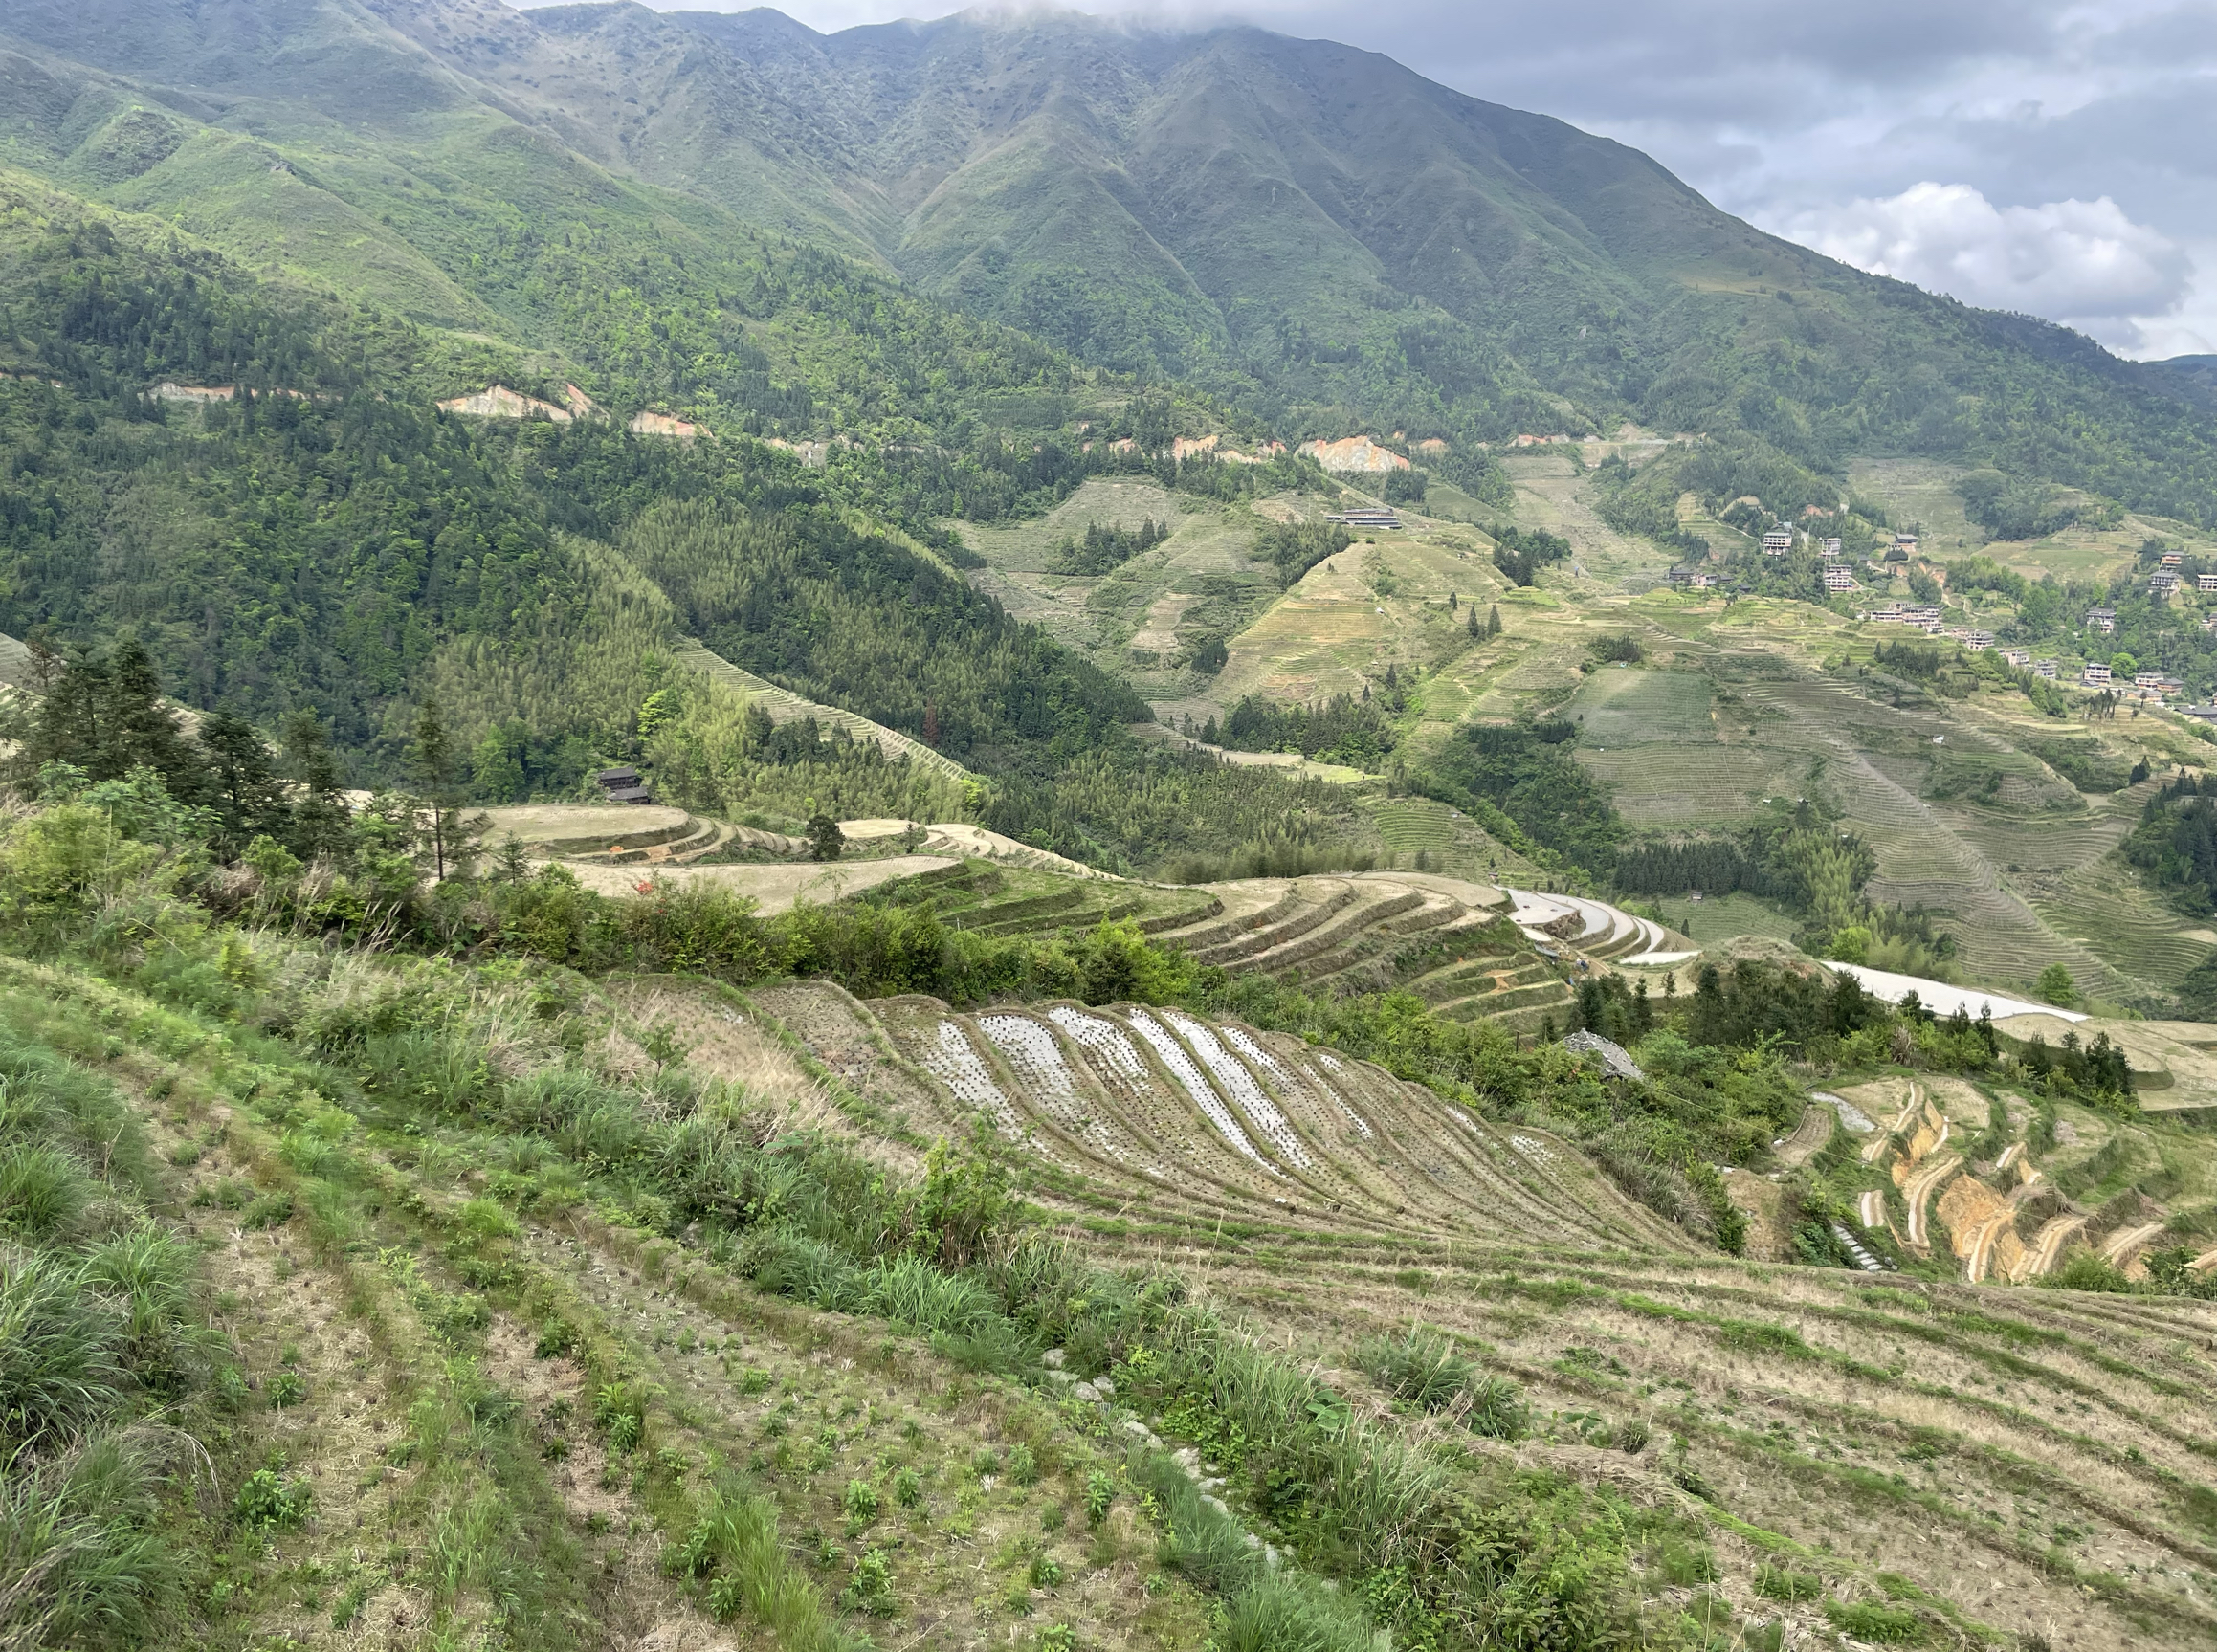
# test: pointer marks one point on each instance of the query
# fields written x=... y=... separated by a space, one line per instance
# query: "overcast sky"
x=2034 y=154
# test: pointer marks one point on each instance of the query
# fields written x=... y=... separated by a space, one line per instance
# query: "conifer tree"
x=431 y=766
x=106 y=717
x=245 y=790
x=319 y=816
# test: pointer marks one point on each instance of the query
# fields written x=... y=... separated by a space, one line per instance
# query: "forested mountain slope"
x=1316 y=232
x=334 y=542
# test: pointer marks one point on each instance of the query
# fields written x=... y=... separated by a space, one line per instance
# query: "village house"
x=624 y=785
x=2170 y=560
x=1839 y=578
x=2102 y=620
x=1778 y=542
x=2162 y=585
x=2019 y=658
x=1691 y=578
x=2206 y=581
x=2044 y=669
x=2095 y=676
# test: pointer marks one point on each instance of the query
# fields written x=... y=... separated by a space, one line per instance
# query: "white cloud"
x=2082 y=262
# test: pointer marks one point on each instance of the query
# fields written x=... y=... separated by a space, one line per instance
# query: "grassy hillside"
x=569 y=1270
x=1997 y=805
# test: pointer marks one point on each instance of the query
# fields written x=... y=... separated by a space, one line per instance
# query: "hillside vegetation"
x=553 y=1266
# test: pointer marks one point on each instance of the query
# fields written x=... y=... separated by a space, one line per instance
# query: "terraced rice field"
x=2100 y=903
x=1408 y=824
x=1856 y=1418
x=1680 y=784
x=1987 y=1464
x=2008 y=1219
x=1163 y=1116
x=1620 y=706
x=618 y=834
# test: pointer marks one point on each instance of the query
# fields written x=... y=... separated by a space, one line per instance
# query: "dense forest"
x=1359 y=732
x=2175 y=844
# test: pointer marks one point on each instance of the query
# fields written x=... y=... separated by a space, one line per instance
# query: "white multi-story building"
x=2097 y=675
x=1839 y=578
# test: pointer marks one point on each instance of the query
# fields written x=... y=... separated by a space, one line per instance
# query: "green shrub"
x=1023 y=1465
x=270 y=1210
x=1046 y=1572
x=870 y=1589
x=620 y=1415
x=860 y=1501
x=908 y=1488
x=267 y=1502
x=1498 y=1409
x=1100 y=1492
x=1876 y=1623
x=2087 y=1270
x=1782 y=1583
x=1683 y=1565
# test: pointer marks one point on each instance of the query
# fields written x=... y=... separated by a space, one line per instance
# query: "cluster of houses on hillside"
x=2169 y=577
x=1780 y=540
x=1925 y=616
x=2154 y=686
